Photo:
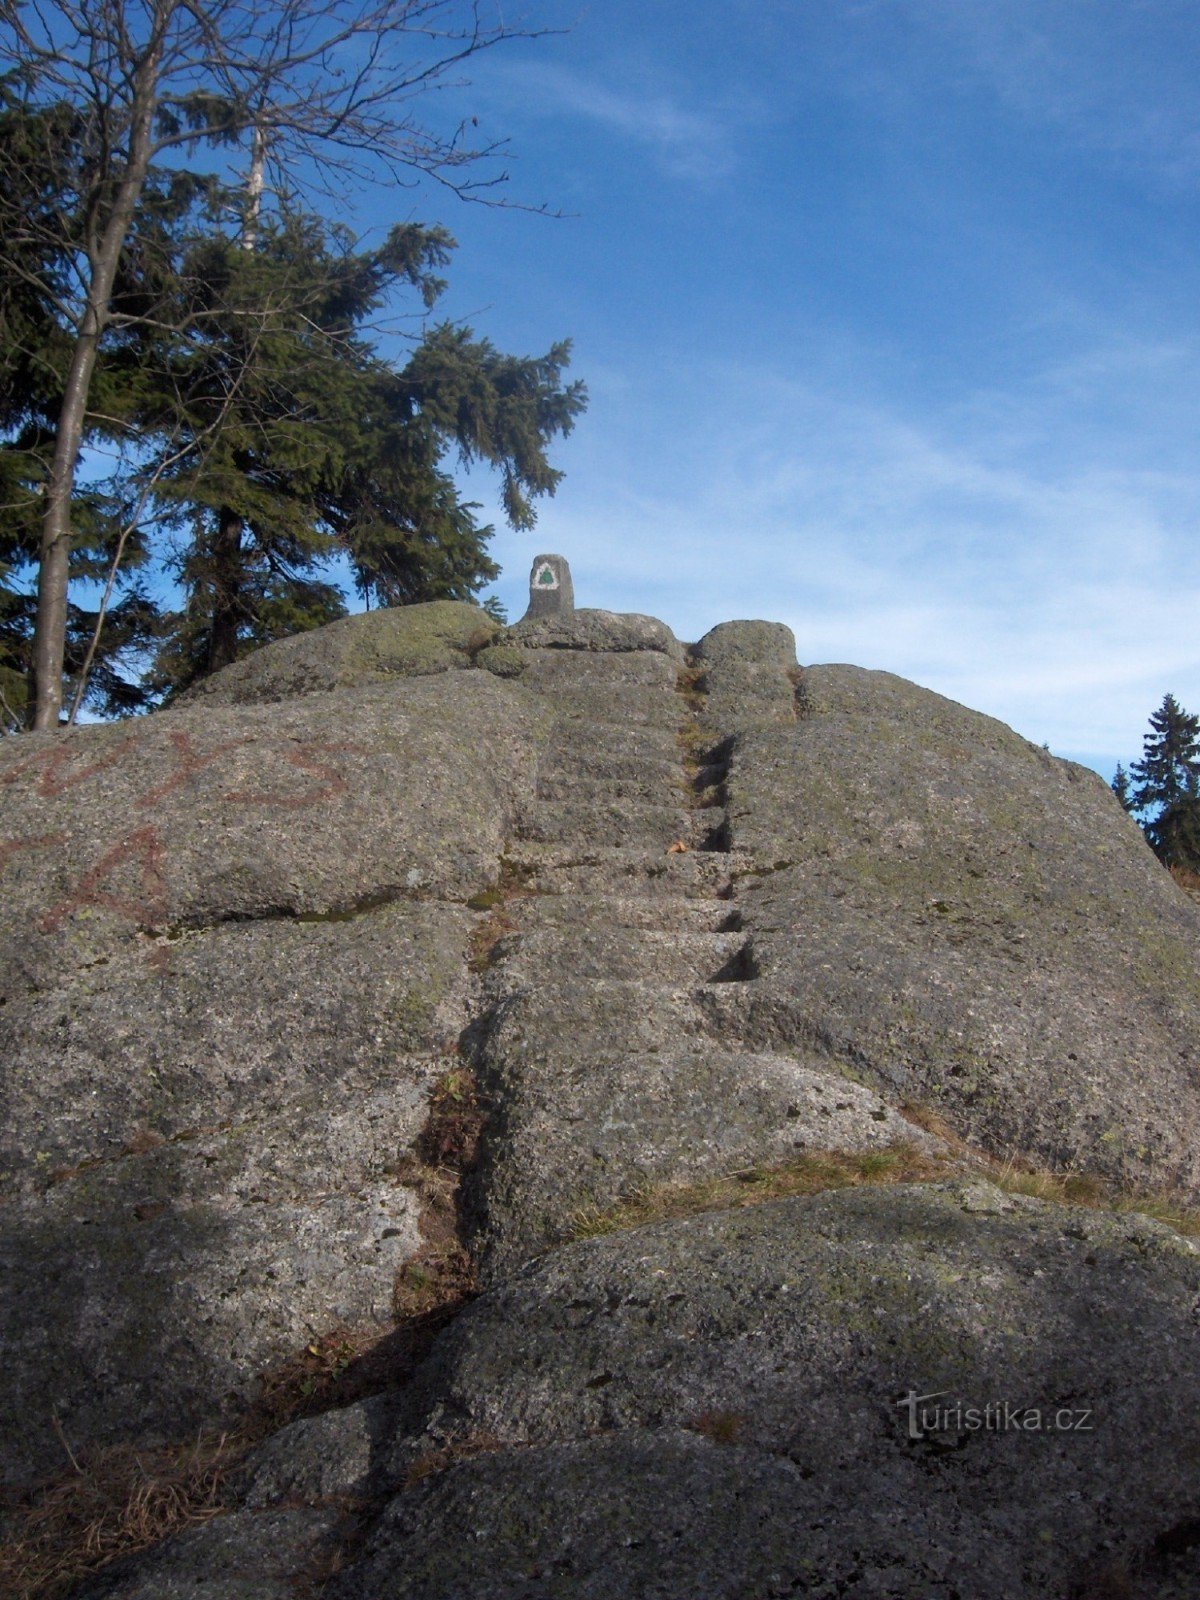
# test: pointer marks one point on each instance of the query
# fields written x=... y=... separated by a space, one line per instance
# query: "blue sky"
x=890 y=315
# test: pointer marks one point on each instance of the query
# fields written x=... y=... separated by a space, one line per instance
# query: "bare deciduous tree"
x=328 y=87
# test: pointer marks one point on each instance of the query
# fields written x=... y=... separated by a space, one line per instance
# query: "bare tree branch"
x=332 y=85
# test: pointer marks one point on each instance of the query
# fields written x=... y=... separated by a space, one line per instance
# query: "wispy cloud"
x=690 y=144
x=1112 y=75
x=1043 y=573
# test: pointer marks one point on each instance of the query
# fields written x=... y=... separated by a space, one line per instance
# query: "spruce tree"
x=1170 y=757
x=38 y=149
x=1120 y=787
x=302 y=444
x=1167 y=780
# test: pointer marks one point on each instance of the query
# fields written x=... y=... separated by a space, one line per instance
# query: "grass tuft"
x=809 y=1174
x=118 y=1503
x=818 y=1171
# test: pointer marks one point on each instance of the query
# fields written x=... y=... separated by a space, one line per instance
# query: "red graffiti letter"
x=334 y=782
x=143 y=845
x=41 y=841
x=51 y=763
x=191 y=763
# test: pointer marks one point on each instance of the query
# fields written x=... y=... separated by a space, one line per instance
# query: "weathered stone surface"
x=372 y=647
x=749 y=676
x=790 y=1331
x=198 y=1164
x=768 y=644
x=874 y=897
x=964 y=920
x=551 y=592
x=602 y=673
x=597 y=630
x=223 y=1027
x=253 y=1555
x=207 y=814
x=741 y=694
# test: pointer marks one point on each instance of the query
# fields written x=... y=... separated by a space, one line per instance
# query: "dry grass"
x=1187 y=880
x=927 y=1117
x=810 y=1174
x=800 y=695
x=816 y=1172
x=1088 y=1189
x=450 y=1138
x=486 y=935
x=689 y=685
x=722 y=1427
x=433 y=1461
x=115 y=1504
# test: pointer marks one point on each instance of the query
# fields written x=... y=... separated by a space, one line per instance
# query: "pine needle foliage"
x=1166 y=785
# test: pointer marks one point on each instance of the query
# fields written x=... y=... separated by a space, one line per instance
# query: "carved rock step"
x=661 y=913
x=623 y=823
x=692 y=874
x=634 y=954
x=580 y=1129
x=582 y=763
x=661 y=785
x=550 y=669
x=625 y=705
x=599 y=746
x=555 y=1015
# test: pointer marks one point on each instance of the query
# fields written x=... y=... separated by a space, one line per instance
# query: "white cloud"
x=1112 y=75
x=697 y=146
x=1042 y=572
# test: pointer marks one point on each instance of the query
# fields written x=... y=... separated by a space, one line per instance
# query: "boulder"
x=372 y=647
x=922 y=1389
x=964 y=922
x=596 y=630
x=122 y=835
x=201 y=1162
x=667 y=930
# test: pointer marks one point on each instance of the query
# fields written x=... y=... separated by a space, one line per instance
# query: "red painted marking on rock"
x=192 y=763
x=335 y=783
x=51 y=763
x=143 y=845
x=40 y=841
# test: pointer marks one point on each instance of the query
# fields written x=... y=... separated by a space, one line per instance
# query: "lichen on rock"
x=602 y=921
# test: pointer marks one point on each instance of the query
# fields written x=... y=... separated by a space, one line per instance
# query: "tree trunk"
x=255 y=182
x=227 y=591
x=50 y=629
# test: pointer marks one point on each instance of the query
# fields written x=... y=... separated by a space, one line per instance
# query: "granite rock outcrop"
x=685 y=917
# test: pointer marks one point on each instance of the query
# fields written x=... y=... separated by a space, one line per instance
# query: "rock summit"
x=692 y=1012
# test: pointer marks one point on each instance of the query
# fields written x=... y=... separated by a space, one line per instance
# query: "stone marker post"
x=551 y=593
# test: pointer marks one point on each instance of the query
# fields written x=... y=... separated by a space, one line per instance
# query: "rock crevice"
x=655 y=916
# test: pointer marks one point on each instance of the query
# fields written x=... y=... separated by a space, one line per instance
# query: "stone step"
x=557 y=869
x=561 y=1018
x=582 y=1130
x=608 y=759
x=629 y=705
x=617 y=822
x=553 y=669
x=660 y=913
x=585 y=954
x=662 y=786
